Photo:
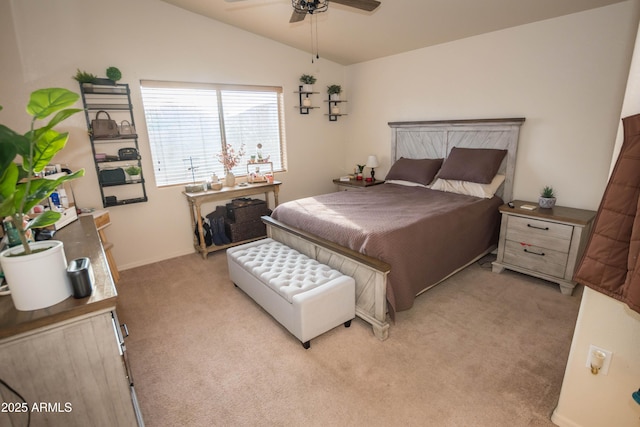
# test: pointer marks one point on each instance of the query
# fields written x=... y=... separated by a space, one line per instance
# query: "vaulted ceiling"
x=347 y=35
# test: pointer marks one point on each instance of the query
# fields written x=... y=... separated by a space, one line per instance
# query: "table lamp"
x=372 y=162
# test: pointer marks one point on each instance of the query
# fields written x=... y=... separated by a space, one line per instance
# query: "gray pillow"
x=421 y=171
x=472 y=164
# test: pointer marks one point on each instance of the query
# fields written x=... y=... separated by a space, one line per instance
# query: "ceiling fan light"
x=310 y=6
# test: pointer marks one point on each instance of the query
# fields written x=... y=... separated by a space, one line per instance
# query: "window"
x=190 y=124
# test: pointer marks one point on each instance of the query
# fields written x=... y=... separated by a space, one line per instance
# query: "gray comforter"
x=423 y=234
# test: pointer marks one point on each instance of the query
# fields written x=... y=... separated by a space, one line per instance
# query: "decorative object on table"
x=372 y=162
x=113 y=74
x=126 y=128
x=81 y=277
x=133 y=172
x=307 y=81
x=104 y=128
x=36 y=272
x=215 y=183
x=547 y=199
x=229 y=159
x=334 y=92
x=359 y=171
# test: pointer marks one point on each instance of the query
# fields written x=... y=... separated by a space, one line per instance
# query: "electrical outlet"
x=607 y=360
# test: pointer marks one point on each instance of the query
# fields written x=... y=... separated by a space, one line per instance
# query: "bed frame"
x=424 y=139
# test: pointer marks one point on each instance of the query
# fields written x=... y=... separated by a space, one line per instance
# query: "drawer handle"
x=126 y=330
x=538 y=228
x=533 y=252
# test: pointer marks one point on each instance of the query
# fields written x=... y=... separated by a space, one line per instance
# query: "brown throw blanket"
x=423 y=234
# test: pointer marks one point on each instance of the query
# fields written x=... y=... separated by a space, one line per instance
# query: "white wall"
x=566 y=76
x=594 y=400
x=42 y=43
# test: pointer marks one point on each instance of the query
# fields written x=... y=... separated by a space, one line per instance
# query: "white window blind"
x=189 y=125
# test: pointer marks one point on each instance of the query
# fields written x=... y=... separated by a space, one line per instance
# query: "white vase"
x=230 y=180
x=307 y=88
x=334 y=97
x=38 y=280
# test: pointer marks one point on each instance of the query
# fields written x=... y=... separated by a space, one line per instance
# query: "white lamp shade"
x=372 y=162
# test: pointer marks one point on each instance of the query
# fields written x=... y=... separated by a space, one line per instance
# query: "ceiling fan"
x=302 y=8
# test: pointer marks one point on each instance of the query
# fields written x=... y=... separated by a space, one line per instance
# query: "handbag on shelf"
x=128 y=154
x=126 y=128
x=104 y=128
x=112 y=176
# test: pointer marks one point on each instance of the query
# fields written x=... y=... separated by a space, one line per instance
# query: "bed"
x=436 y=214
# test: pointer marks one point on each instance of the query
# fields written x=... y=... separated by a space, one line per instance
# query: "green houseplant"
x=114 y=74
x=547 y=198
x=334 y=92
x=307 y=81
x=85 y=77
x=22 y=187
x=133 y=171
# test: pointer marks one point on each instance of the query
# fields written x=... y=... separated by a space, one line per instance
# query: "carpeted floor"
x=480 y=349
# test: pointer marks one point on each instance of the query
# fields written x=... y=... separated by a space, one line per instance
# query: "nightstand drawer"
x=544 y=234
x=536 y=258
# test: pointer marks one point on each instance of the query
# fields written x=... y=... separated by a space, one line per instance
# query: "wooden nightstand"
x=354 y=184
x=545 y=243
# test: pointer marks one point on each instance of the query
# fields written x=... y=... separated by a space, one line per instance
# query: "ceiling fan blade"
x=297 y=17
x=367 y=5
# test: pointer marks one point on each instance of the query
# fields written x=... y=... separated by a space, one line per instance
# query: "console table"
x=196 y=200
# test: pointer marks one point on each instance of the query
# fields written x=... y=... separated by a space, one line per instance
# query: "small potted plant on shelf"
x=113 y=74
x=334 y=92
x=84 y=78
x=307 y=81
x=22 y=187
x=547 y=198
x=133 y=172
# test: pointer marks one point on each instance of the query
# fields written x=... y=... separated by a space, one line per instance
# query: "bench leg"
x=347 y=323
x=306 y=345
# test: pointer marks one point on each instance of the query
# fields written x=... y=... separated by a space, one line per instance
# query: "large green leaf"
x=44 y=102
x=8 y=182
x=7 y=206
x=42 y=188
x=45 y=219
x=7 y=154
x=46 y=146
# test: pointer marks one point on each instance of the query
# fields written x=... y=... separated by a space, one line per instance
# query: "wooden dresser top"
x=80 y=239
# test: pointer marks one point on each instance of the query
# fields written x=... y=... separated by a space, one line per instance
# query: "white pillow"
x=407 y=183
x=486 y=191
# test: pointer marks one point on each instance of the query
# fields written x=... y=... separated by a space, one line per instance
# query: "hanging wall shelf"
x=335 y=109
x=305 y=100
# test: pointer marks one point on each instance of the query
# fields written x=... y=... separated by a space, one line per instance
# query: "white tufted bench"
x=307 y=298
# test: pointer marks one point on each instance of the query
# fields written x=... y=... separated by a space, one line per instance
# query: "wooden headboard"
x=434 y=140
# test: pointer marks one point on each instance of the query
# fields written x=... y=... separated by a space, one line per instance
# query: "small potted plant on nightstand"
x=307 y=81
x=547 y=198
